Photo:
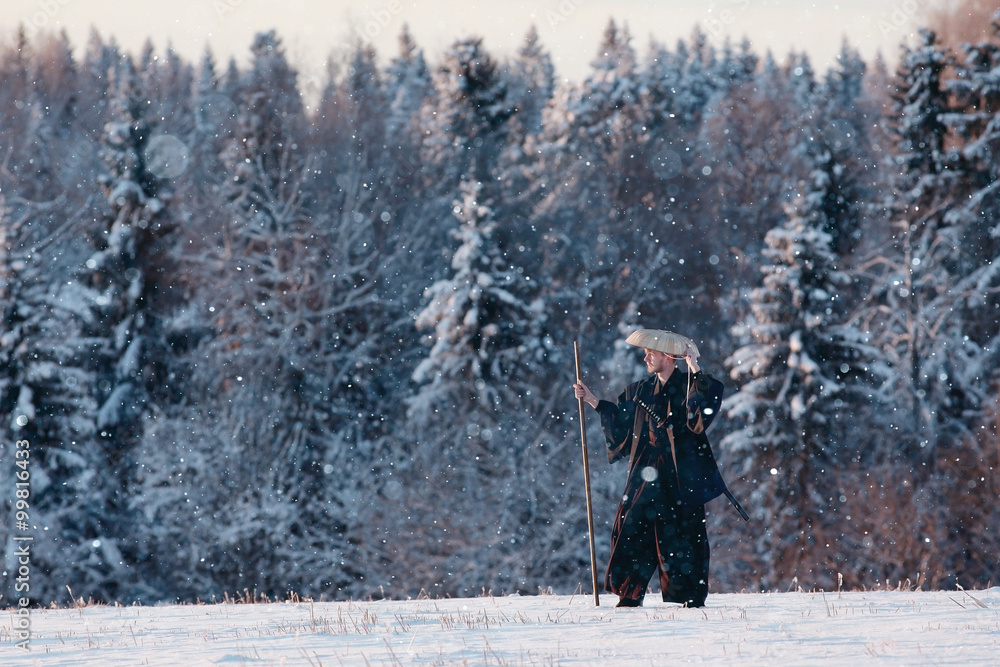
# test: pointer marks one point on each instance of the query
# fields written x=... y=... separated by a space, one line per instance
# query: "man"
x=659 y=423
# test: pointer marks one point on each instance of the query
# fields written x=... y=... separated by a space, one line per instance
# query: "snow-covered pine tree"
x=408 y=83
x=927 y=290
x=478 y=413
x=753 y=136
x=976 y=123
x=532 y=82
x=844 y=83
x=464 y=128
x=698 y=84
x=734 y=68
x=213 y=125
x=662 y=75
x=532 y=85
x=50 y=102
x=170 y=87
x=100 y=58
x=49 y=384
x=969 y=256
x=918 y=290
x=465 y=120
x=590 y=209
x=802 y=77
x=205 y=88
x=15 y=87
x=121 y=272
x=601 y=118
x=81 y=339
x=128 y=299
x=486 y=323
x=845 y=158
x=836 y=201
x=363 y=96
x=47 y=398
x=795 y=369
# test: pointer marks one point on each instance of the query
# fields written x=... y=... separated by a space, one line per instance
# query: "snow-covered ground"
x=883 y=627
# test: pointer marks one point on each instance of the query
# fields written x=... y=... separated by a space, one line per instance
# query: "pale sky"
x=570 y=29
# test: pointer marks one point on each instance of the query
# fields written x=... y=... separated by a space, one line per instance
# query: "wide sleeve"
x=703 y=402
x=617 y=422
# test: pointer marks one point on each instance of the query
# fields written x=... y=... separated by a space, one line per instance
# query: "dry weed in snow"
x=894 y=627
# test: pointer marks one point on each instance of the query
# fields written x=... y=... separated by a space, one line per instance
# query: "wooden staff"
x=586 y=477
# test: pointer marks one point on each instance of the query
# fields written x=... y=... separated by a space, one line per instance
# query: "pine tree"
x=755 y=137
x=47 y=398
x=478 y=397
x=698 y=84
x=362 y=100
x=127 y=251
x=533 y=76
x=408 y=84
x=15 y=87
x=976 y=126
x=83 y=348
x=590 y=159
x=51 y=101
x=734 y=69
x=483 y=318
x=802 y=77
x=214 y=116
x=465 y=122
x=914 y=308
x=798 y=370
x=844 y=115
x=99 y=60
x=964 y=295
x=128 y=301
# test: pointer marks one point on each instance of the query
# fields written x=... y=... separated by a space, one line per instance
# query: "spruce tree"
x=477 y=403
x=797 y=369
x=47 y=398
x=466 y=121
x=916 y=294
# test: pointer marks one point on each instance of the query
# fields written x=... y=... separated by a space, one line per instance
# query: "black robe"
x=660 y=523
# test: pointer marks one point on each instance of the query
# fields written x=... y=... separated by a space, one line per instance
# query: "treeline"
x=257 y=344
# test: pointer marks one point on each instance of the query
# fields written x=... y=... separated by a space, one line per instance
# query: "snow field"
x=892 y=627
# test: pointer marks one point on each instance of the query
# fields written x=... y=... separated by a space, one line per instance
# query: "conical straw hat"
x=663 y=341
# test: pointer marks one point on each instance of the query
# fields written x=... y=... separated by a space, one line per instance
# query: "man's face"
x=658 y=362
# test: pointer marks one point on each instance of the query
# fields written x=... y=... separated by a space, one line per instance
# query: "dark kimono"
x=672 y=473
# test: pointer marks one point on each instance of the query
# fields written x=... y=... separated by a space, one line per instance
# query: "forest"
x=269 y=346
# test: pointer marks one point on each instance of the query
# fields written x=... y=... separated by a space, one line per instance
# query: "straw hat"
x=667 y=342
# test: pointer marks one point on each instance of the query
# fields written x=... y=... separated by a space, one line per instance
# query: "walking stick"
x=586 y=476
